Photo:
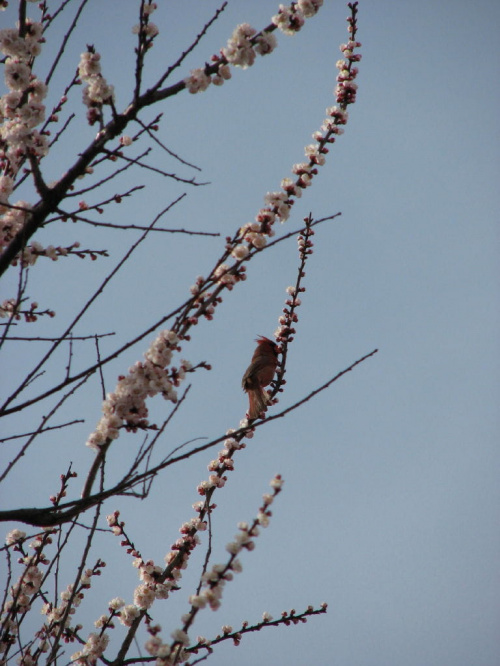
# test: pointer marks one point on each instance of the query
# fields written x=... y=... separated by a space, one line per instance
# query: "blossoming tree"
x=36 y=119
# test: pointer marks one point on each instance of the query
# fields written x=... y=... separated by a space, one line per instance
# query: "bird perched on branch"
x=259 y=374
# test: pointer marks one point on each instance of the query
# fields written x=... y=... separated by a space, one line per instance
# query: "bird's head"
x=267 y=344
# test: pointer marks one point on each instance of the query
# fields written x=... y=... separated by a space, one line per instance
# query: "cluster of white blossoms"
x=27 y=586
x=241 y=52
x=279 y=203
x=150 y=588
x=155 y=583
x=21 y=593
x=21 y=108
x=289 y=317
x=215 y=579
x=10 y=308
x=223 y=463
x=97 y=91
x=291 y=19
x=21 y=111
x=126 y=406
x=246 y=43
x=147 y=28
x=346 y=88
x=12 y=222
x=92 y=650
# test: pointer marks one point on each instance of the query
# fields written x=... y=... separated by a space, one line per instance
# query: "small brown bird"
x=259 y=374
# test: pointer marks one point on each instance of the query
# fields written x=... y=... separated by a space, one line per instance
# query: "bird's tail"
x=258 y=399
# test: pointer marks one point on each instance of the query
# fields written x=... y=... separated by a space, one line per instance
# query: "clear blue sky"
x=390 y=508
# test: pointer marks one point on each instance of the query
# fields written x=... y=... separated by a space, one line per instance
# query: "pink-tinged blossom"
x=223 y=74
x=305 y=180
x=13 y=221
x=223 y=275
x=9 y=104
x=149 y=29
x=309 y=7
x=312 y=151
x=180 y=636
x=126 y=406
x=197 y=601
x=267 y=617
x=98 y=91
x=17 y=74
x=340 y=116
x=92 y=650
x=268 y=499
x=257 y=240
x=148 y=9
x=152 y=645
x=116 y=604
x=291 y=188
x=128 y=615
x=277 y=483
x=163 y=654
x=275 y=198
x=302 y=168
x=6 y=187
x=263 y=519
x=240 y=252
x=101 y=622
x=162 y=590
x=144 y=596
x=239 y=50
x=14 y=536
x=289 y=19
x=198 y=81
x=236 y=566
x=12 y=44
x=266 y=43
x=89 y=66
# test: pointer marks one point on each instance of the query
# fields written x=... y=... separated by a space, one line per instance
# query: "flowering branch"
x=162 y=370
x=287 y=618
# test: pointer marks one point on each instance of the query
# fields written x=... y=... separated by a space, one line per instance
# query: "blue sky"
x=390 y=507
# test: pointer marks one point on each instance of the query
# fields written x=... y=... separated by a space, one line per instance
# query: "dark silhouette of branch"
x=42 y=430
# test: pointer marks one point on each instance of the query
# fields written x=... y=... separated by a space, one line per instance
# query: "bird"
x=259 y=374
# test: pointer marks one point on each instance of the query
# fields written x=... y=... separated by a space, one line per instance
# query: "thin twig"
x=99 y=290
x=65 y=41
x=42 y=430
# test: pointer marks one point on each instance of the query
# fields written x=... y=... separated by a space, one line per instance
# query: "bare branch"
x=42 y=430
